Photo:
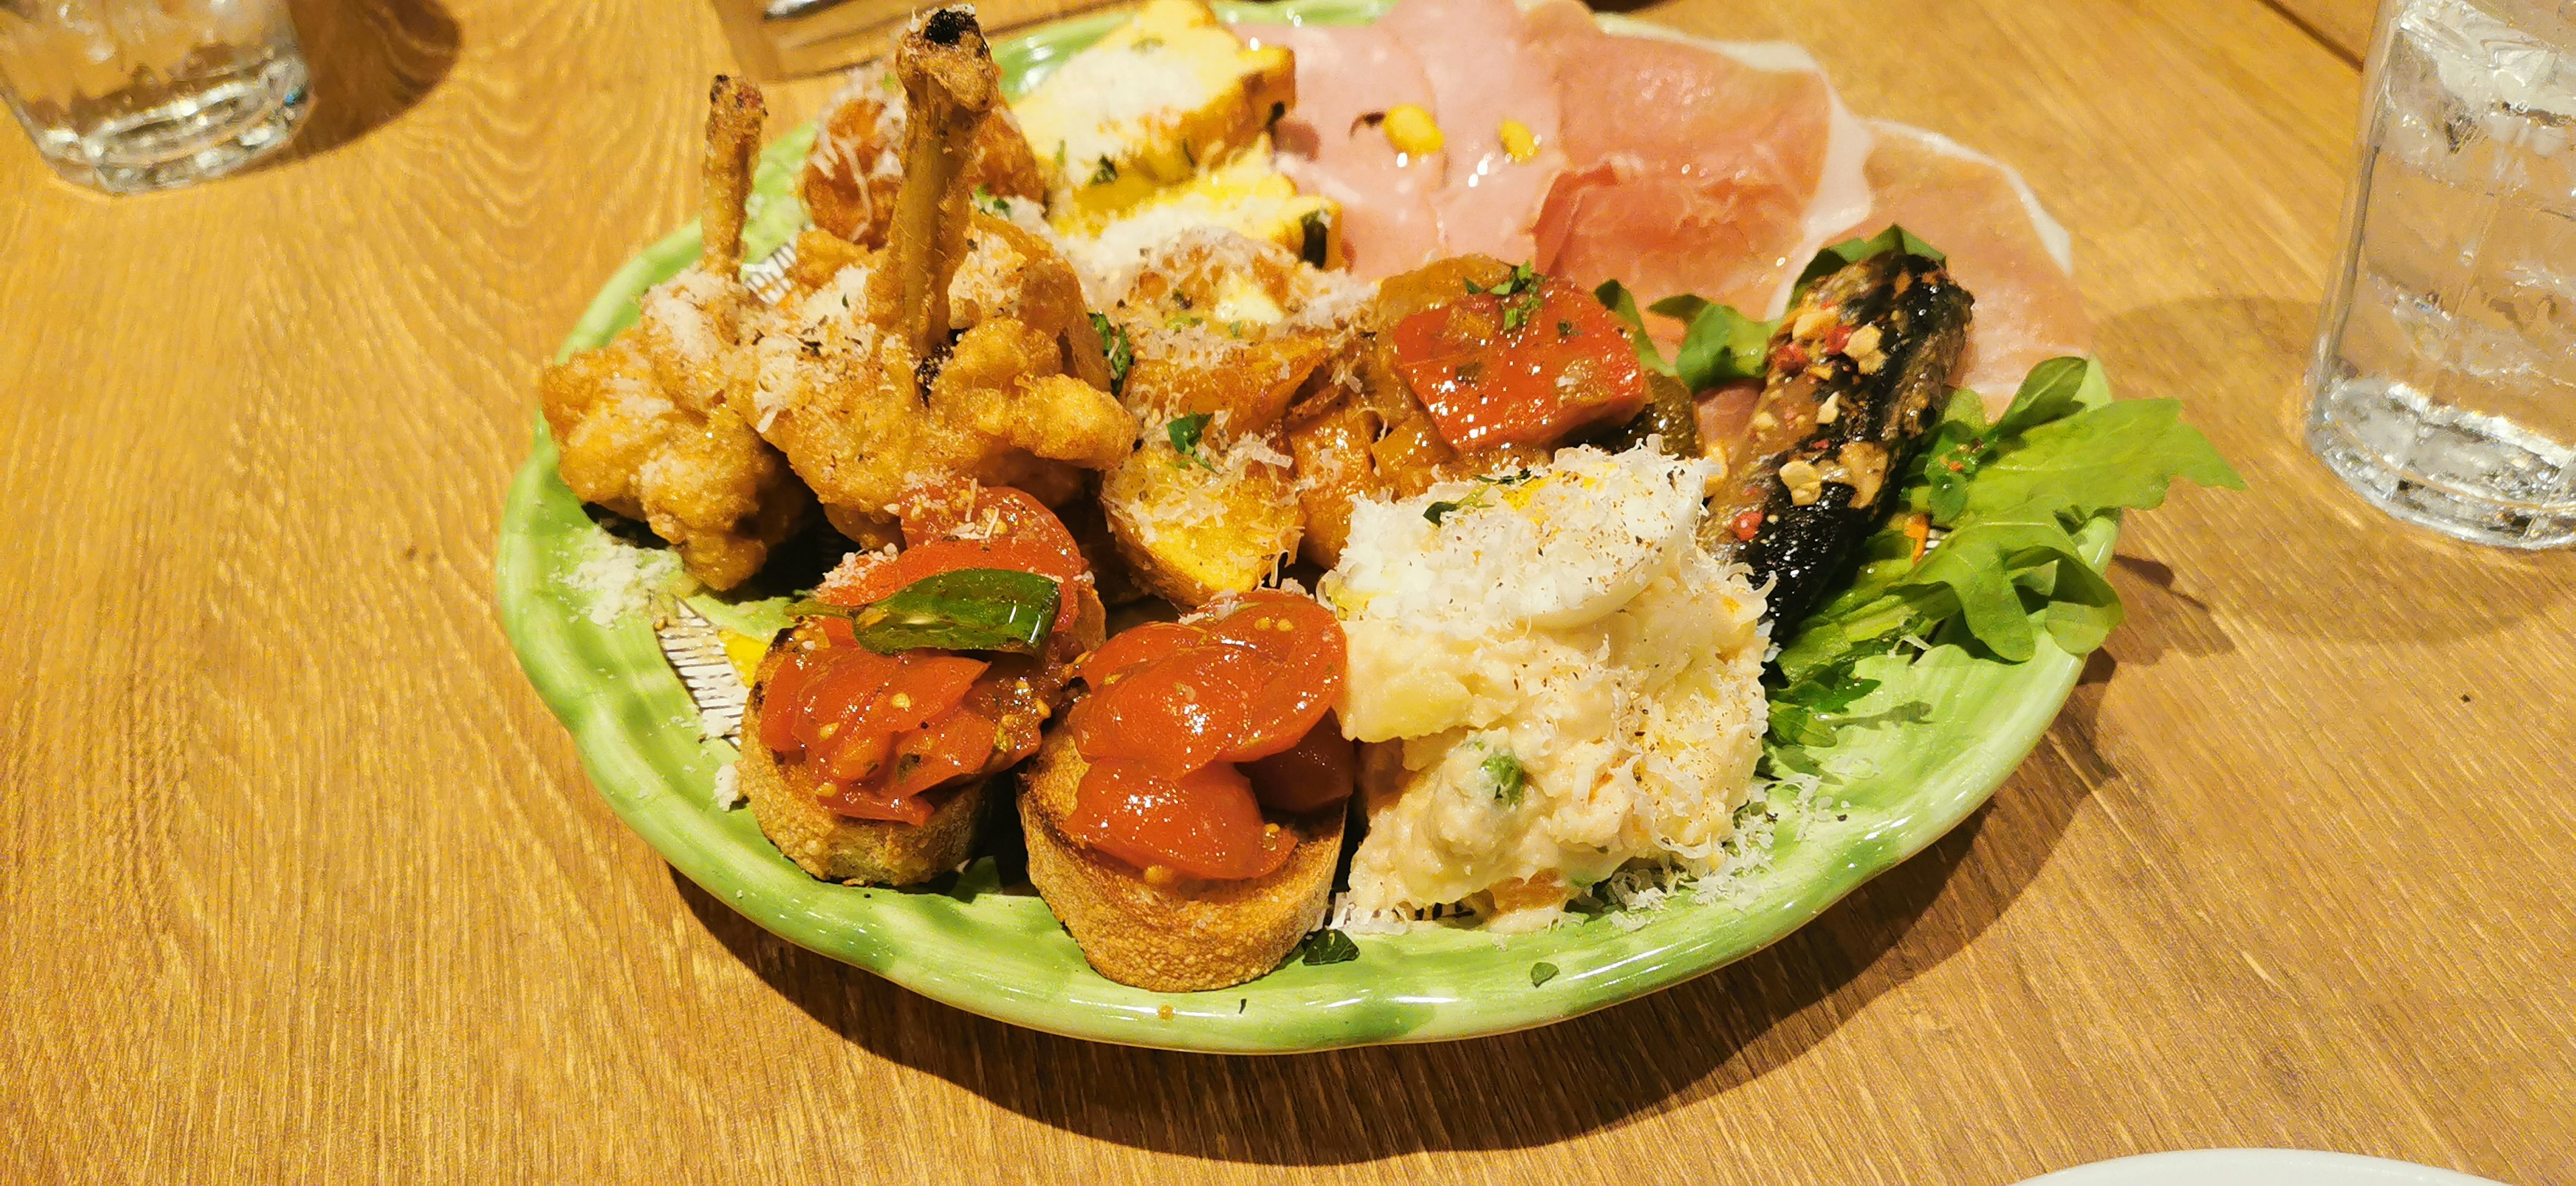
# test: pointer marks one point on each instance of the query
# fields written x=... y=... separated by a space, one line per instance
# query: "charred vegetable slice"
x=1855 y=377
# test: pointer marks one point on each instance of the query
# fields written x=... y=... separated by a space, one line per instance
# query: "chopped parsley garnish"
x=1541 y=972
x=986 y=201
x=1327 y=946
x=1564 y=330
x=1511 y=782
x=1142 y=44
x=1104 y=172
x=1121 y=352
x=1184 y=433
x=1445 y=507
x=1185 y=321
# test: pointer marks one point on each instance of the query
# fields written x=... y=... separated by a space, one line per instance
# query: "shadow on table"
x=2297 y=551
x=1599 y=1071
x=372 y=60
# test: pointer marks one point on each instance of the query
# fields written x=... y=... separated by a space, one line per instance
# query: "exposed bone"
x=951 y=84
x=734 y=115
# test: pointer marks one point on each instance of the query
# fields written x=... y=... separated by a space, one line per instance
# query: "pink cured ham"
x=1689 y=171
x=1484 y=69
x=2001 y=249
x=1389 y=224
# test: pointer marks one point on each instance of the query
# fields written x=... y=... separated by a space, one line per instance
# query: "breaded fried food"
x=1226 y=332
x=883 y=383
x=856 y=167
x=646 y=424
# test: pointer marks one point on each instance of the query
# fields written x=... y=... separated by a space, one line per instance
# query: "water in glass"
x=128 y=95
x=2445 y=376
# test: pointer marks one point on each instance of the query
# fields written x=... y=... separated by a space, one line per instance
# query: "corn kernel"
x=1519 y=142
x=1411 y=131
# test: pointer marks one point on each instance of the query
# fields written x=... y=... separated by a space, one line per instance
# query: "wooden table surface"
x=303 y=884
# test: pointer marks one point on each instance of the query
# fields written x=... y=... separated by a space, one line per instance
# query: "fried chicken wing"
x=646 y=424
x=856 y=168
x=961 y=350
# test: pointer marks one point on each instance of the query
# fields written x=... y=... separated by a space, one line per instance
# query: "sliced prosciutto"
x=2001 y=247
x=1485 y=71
x=1690 y=169
x=1328 y=144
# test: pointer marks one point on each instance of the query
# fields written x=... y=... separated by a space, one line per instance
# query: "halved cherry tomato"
x=1140 y=645
x=953 y=746
x=1307 y=655
x=925 y=686
x=1562 y=363
x=782 y=701
x=1174 y=715
x=870 y=801
x=1203 y=824
x=1311 y=775
x=850 y=676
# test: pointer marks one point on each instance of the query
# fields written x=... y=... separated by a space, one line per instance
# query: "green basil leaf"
x=966 y=609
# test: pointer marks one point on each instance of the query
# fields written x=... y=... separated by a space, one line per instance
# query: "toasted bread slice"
x=1189 y=935
x=833 y=846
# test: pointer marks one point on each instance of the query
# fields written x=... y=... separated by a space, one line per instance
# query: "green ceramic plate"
x=1001 y=954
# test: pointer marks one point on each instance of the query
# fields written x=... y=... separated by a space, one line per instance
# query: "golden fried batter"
x=646 y=424
x=962 y=350
x=856 y=167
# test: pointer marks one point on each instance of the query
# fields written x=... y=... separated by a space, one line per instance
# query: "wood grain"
x=2343 y=25
x=303 y=883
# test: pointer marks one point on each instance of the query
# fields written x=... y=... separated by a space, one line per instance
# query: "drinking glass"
x=132 y=95
x=2444 y=385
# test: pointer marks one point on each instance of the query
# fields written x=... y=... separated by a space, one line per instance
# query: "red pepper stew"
x=1521 y=368
x=1193 y=728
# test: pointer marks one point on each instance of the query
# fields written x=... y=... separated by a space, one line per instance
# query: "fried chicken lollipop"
x=856 y=168
x=644 y=423
x=961 y=351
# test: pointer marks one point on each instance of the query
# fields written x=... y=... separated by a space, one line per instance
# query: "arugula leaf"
x=1976 y=565
x=1851 y=251
x=1327 y=946
x=1622 y=304
x=2054 y=390
x=1184 y=433
x=964 y=609
x=1121 y=351
x=2123 y=454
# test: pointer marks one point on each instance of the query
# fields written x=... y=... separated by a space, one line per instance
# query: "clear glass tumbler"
x=132 y=95
x=2444 y=387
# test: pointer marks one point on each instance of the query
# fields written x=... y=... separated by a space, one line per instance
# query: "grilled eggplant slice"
x=1855 y=378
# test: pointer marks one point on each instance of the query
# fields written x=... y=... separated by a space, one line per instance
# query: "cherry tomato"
x=925 y=686
x=782 y=702
x=1524 y=369
x=849 y=676
x=869 y=801
x=1174 y=715
x=1302 y=644
x=1138 y=646
x=1312 y=775
x=954 y=746
x=1203 y=824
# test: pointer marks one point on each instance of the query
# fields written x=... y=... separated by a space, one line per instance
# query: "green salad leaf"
x=965 y=609
x=1851 y=251
x=1721 y=345
x=2009 y=498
